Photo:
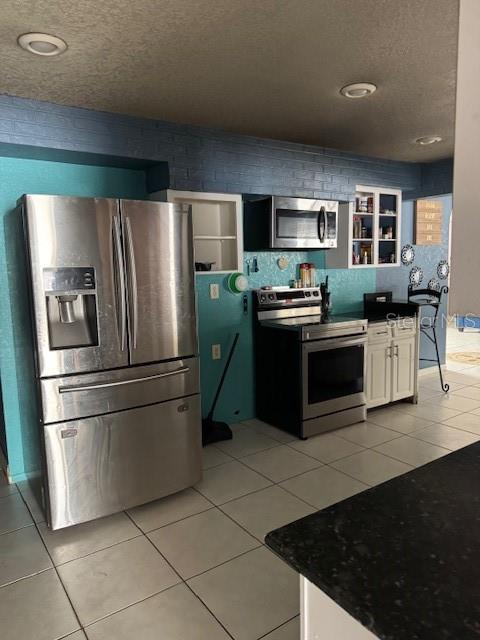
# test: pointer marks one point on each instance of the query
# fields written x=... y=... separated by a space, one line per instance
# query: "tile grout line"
x=287 y=444
x=279 y=627
x=91 y=553
x=55 y=568
x=182 y=581
x=261 y=545
x=30 y=575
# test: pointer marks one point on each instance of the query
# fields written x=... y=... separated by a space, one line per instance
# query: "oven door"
x=303 y=223
x=333 y=375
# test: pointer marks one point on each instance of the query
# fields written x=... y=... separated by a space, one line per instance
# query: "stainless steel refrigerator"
x=113 y=314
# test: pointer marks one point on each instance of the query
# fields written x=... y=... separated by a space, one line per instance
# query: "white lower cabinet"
x=392 y=363
x=321 y=618
x=403 y=368
x=379 y=375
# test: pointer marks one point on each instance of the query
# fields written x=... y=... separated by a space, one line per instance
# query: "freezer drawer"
x=96 y=393
x=101 y=465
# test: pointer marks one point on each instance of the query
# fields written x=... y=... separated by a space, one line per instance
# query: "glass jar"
x=305 y=274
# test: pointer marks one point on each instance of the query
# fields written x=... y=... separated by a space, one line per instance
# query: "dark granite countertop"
x=403 y=558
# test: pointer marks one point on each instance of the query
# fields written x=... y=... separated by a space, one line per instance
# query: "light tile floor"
x=193 y=566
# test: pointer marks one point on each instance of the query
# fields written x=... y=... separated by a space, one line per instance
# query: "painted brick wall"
x=201 y=159
x=436 y=179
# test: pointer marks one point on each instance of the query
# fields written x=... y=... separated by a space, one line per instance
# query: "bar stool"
x=429 y=298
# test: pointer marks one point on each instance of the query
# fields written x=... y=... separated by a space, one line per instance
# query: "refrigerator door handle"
x=117 y=383
x=132 y=282
x=119 y=278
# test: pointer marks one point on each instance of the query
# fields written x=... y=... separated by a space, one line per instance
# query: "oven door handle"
x=334 y=343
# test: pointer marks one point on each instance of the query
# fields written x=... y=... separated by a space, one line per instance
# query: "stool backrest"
x=434 y=294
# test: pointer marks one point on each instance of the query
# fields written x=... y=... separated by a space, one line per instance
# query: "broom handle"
x=222 y=379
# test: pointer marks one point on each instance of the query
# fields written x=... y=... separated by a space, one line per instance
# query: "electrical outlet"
x=214 y=292
x=216 y=352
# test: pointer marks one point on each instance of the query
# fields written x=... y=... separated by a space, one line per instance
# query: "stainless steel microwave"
x=290 y=223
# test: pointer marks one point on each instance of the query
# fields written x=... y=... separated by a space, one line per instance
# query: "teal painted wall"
x=18 y=176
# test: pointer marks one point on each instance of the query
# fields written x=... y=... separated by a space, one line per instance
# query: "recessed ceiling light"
x=42 y=44
x=358 y=90
x=425 y=140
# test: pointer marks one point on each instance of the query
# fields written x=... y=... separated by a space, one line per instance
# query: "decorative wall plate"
x=283 y=262
x=408 y=254
x=434 y=284
x=416 y=276
x=443 y=270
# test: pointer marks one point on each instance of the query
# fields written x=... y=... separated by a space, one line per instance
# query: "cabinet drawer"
x=379 y=332
x=404 y=328
x=104 y=464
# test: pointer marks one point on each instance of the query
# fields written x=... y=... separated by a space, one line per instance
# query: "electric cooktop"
x=313 y=320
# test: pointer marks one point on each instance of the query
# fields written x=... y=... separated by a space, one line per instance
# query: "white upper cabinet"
x=217 y=228
x=369 y=230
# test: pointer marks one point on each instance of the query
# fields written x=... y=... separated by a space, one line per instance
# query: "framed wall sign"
x=428 y=221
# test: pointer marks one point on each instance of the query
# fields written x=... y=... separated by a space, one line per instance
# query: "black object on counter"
x=381 y=306
x=213 y=431
x=325 y=293
x=204 y=266
x=402 y=558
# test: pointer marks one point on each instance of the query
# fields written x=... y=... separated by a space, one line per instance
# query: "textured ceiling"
x=270 y=68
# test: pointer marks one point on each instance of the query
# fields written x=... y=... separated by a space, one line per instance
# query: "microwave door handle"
x=322 y=222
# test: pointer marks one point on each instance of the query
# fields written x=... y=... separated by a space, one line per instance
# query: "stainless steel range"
x=310 y=369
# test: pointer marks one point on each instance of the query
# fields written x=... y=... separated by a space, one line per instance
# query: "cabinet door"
x=379 y=374
x=403 y=381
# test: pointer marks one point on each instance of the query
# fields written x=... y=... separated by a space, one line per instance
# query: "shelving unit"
x=369 y=230
x=217 y=227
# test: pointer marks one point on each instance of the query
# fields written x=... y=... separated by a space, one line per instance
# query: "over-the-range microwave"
x=279 y=222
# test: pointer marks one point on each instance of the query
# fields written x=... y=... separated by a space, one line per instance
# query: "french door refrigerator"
x=113 y=315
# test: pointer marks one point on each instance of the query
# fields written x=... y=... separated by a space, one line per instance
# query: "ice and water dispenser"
x=71 y=299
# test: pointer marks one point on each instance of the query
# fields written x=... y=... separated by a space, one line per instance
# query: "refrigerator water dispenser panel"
x=70 y=297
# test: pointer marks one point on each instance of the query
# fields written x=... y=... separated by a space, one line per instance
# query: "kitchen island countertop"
x=402 y=558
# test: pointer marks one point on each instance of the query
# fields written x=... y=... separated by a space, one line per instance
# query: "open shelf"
x=371 y=225
x=217 y=228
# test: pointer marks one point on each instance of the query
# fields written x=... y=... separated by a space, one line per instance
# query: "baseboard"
x=18 y=477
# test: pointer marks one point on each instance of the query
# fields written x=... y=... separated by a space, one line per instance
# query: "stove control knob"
x=263 y=298
x=315 y=293
x=271 y=296
x=307 y=294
